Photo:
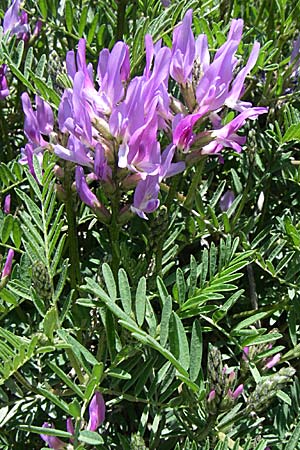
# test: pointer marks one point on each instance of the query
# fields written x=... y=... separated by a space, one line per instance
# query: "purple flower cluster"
x=16 y=22
x=113 y=127
x=97 y=416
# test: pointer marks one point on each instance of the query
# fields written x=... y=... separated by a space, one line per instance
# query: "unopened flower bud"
x=53 y=441
x=8 y=264
x=97 y=412
x=7 y=201
x=272 y=361
x=226 y=200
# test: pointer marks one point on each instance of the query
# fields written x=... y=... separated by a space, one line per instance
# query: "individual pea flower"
x=236 y=393
x=295 y=57
x=226 y=200
x=6 y=206
x=96 y=411
x=53 y=441
x=96 y=418
x=271 y=362
x=146 y=197
x=4 y=91
x=8 y=264
x=16 y=22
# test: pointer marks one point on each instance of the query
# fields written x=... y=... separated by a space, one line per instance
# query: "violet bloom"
x=14 y=22
x=211 y=396
x=295 y=57
x=8 y=264
x=271 y=362
x=146 y=197
x=226 y=200
x=84 y=192
x=53 y=441
x=183 y=50
x=39 y=122
x=6 y=207
x=4 y=91
x=96 y=412
x=236 y=393
x=227 y=137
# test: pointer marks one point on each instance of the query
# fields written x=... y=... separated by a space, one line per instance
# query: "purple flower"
x=146 y=197
x=96 y=411
x=236 y=393
x=4 y=91
x=6 y=207
x=295 y=57
x=211 y=396
x=183 y=50
x=53 y=441
x=271 y=362
x=97 y=416
x=8 y=264
x=37 y=28
x=75 y=152
x=14 y=22
x=227 y=137
x=39 y=122
x=237 y=88
x=84 y=192
x=226 y=200
x=11 y=16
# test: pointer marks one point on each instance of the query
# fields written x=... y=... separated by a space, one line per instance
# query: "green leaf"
x=65 y=378
x=292 y=133
x=90 y=437
x=50 y=322
x=7 y=228
x=54 y=399
x=69 y=15
x=165 y=320
x=93 y=381
x=47 y=431
x=124 y=290
x=250 y=320
x=43 y=8
x=82 y=21
x=257 y=340
x=295 y=438
x=181 y=286
x=109 y=281
x=140 y=301
x=16 y=234
x=178 y=341
x=92 y=29
x=196 y=350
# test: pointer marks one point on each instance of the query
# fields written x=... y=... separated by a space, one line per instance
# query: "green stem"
x=194 y=184
x=114 y=233
x=243 y=201
x=209 y=425
x=72 y=231
x=120 y=19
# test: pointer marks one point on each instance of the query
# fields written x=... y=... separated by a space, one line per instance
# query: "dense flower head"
x=113 y=124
